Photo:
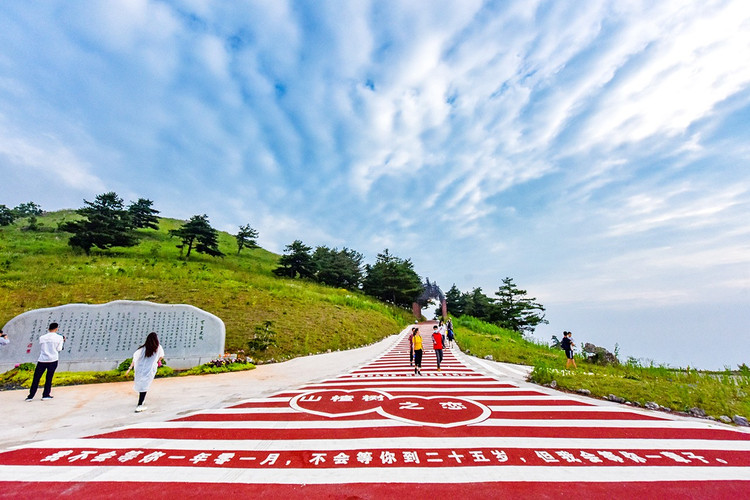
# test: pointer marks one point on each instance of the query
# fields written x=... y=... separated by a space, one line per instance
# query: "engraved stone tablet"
x=100 y=337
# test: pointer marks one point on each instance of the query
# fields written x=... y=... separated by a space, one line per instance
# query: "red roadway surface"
x=382 y=432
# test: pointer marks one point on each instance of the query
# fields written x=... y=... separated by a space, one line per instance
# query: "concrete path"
x=367 y=428
x=82 y=410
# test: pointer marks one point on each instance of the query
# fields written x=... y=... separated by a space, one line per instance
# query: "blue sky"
x=596 y=152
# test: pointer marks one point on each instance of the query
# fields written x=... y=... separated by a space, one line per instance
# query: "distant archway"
x=431 y=291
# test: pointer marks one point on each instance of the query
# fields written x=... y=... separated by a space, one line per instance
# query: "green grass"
x=38 y=269
x=21 y=376
x=725 y=393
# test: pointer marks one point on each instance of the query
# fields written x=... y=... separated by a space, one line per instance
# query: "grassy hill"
x=39 y=269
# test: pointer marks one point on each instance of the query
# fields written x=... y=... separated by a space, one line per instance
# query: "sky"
x=596 y=152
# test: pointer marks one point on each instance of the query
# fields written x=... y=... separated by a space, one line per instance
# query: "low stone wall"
x=99 y=337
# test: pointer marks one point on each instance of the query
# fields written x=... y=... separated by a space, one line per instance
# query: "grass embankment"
x=725 y=393
x=21 y=376
x=38 y=269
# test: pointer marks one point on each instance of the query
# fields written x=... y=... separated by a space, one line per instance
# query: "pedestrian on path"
x=437 y=344
x=50 y=344
x=3 y=338
x=146 y=360
x=451 y=335
x=411 y=345
x=567 y=345
x=416 y=342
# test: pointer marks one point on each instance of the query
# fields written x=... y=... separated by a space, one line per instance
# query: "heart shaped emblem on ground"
x=338 y=402
x=438 y=411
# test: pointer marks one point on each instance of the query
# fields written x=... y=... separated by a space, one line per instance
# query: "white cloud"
x=693 y=62
x=47 y=157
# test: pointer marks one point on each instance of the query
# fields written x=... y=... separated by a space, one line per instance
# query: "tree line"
x=30 y=210
x=511 y=309
x=107 y=222
x=390 y=279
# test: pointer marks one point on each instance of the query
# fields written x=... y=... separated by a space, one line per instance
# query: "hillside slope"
x=38 y=269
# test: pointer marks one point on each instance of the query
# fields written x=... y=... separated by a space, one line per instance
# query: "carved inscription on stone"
x=102 y=336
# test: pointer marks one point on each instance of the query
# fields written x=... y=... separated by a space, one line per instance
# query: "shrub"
x=542 y=373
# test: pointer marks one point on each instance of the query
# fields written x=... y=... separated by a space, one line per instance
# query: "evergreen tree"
x=105 y=224
x=246 y=238
x=6 y=216
x=142 y=215
x=515 y=310
x=197 y=233
x=339 y=268
x=393 y=280
x=455 y=301
x=296 y=261
x=478 y=305
x=27 y=210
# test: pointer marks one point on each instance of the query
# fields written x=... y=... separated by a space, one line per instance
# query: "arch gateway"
x=431 y=292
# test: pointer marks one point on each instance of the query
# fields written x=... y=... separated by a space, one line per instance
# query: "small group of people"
x=146 y=360
x=440 y=333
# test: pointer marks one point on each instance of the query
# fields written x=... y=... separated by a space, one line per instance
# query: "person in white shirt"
x=146 y=361
x=3 y=338
x=51 y=343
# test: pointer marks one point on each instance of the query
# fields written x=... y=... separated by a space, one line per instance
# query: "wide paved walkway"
x=379 y=431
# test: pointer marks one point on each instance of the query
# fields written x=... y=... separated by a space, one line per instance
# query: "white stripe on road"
x=474 y=474
x=378 y=421
x=395 y=443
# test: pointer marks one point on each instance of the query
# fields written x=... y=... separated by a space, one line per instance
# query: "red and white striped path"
x=382 y=432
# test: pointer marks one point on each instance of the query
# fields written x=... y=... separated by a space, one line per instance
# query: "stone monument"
x=100 y=337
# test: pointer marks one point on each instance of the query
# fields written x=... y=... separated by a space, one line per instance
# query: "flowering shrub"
x=226 y=363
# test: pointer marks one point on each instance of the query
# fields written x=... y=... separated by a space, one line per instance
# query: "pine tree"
x=339 y=268
x=142 y=215
x=296 y=261
x=197 y=233
x=455 y=301
x=6 y=216
x=393 y=280
x=246 y=238
x=515 y=310
x=105 y=224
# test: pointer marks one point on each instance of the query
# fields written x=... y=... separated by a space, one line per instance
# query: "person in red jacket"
x=437 y=344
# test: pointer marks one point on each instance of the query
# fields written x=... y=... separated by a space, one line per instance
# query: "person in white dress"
x=146 y=361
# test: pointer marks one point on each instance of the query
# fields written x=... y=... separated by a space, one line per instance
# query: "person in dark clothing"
x=51 y=343
x=567 y=345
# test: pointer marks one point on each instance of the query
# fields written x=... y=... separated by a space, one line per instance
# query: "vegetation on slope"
x=38 y=269
x=723 y=393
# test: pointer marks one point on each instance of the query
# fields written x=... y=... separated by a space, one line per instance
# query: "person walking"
x=416 y=342
x=442 y=330
x=146 y=361
x=3 y=338
x=411 y=345
x=50 y=344
x=567 y=345
x=437 y=344
x=451 y=336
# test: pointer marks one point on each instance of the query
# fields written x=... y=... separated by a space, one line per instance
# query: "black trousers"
x=439 y=356
x=418 y=357
x=41 y=367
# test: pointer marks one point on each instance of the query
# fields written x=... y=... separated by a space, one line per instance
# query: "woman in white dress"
x=146 y=361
